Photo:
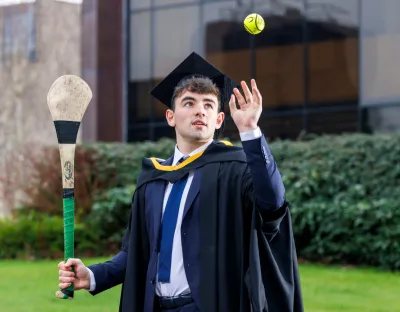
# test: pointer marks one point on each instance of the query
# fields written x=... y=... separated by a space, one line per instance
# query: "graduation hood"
x=221 y=151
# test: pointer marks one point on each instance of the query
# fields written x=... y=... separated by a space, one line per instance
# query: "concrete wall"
x=38 y=43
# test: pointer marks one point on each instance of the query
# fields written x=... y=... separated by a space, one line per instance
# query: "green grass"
x=30 y=287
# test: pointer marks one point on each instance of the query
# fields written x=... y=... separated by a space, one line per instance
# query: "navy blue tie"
x=168 y=226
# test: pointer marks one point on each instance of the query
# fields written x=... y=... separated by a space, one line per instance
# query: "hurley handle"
x=69 y=211
x=67 y=154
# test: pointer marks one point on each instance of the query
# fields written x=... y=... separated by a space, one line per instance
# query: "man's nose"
x=200 y=111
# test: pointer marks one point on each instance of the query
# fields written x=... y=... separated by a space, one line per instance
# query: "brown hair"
x=197 y=84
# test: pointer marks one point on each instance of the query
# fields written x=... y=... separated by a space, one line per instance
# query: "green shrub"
x=110 y=216
x=122 y=162
x=98 y=168
x=355 y=167
x=35 y=236
x=364 y=232
x=42 y=184
x=343 y=192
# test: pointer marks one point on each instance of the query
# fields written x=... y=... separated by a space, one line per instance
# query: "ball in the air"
x=254 y=23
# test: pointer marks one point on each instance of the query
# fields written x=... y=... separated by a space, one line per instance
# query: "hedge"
x=343 y=192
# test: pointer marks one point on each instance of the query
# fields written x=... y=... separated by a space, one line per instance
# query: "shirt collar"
x=178 y=154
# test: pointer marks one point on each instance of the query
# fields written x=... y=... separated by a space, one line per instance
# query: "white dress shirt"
x=178 y=283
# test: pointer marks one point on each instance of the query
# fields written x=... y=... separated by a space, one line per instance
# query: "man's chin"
x=200 y=137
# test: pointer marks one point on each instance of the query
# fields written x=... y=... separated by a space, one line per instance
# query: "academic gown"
x=247 y=256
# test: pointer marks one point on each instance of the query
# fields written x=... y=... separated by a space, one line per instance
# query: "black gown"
x=248 y=258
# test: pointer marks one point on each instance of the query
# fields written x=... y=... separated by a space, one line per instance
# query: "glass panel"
x=380 y=57
x=332 y=51
x=168 y=2
x=159 y=108
x=333 y=122
x=279 y=55
x=282 y=126
x=177 y=34
x=140 y=68
x=137 y=133
x=382 y=119
x=139 y=100
x=226 y=42
x=164 y=132
x=140 y=46
x=140 y=4
x=285 y=127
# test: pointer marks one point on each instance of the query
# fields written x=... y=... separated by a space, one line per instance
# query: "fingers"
x=247 y=93
x=73 y=262
x=62 y=266
x=256 y=92
x=239 y=97
x=66 y=273
x=64 y=279
x=232 y=104
x=66 y=276
x=64 y=285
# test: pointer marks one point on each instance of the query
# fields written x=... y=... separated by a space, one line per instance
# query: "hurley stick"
x=68 y=98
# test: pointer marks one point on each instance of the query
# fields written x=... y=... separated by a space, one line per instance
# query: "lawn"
x=30 y=287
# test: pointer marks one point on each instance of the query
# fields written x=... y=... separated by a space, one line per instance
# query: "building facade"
x=323 y=66
x=39 y=42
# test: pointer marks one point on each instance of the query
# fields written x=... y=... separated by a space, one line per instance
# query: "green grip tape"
x=69 y=220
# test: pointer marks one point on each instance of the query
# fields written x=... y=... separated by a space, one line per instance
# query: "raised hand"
x=250 y=107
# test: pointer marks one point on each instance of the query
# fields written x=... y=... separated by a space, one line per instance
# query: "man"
x=210 y=229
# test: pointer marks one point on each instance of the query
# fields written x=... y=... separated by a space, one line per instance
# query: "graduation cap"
x=194 y=65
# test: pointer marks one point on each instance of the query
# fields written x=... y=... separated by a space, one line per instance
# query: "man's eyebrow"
x=209 y=100
x=190 y=98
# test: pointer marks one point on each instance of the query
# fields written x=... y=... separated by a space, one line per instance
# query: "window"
x=140 y=4
x=19 y=31
x=332 y=27
x=140 y=67
x=177 y=34
x=172 y=2
x=380 y=119
x=333 y=122
x=279 y=56
x=380 y=57
x=226 y=43
x=140 y=46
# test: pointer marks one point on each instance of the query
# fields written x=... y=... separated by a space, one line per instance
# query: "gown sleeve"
x=263 y=186
x=272 y=277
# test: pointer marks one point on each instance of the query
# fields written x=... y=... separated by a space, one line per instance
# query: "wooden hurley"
x=68 y=98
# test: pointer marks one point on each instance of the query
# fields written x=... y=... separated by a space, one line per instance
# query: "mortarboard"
x=194 y=65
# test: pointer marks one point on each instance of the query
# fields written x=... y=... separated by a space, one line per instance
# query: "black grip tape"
x=67 y=131
x=68 y=193
x=67 y=292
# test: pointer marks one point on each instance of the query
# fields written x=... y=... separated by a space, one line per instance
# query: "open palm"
x=250 y=107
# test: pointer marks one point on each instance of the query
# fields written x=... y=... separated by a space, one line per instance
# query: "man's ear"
x=220 y=120
x=170 y=116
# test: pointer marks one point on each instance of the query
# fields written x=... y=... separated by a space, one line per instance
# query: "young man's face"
x=196 y=116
